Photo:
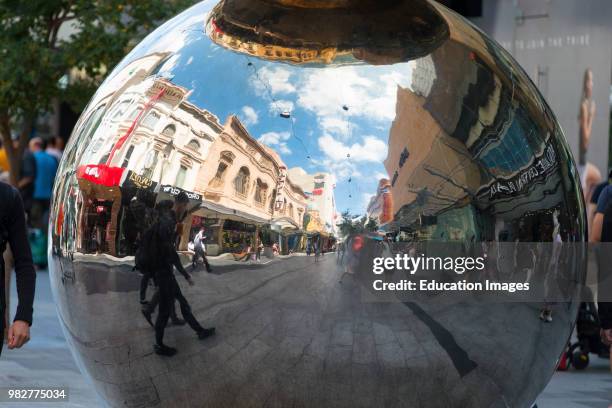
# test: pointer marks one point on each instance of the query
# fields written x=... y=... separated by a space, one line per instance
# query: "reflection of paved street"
x=250 y=321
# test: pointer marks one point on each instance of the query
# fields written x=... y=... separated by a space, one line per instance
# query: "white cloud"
x=366 y=199
x=273 y=81
x=249 y=116
x=337 y=126
x=371 y=150
x=327 y=92
x=380 y=175
x=277 y=141
x=280 y=106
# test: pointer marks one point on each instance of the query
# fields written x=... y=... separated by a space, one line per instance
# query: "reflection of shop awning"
x=100 y=174
x=284 y=222
x=174 y=191
x=211 y=209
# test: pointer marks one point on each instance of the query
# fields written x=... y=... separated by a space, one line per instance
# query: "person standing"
x=13 y=232
x=602 y=233
x=4 y=162
x=25 y=184
x=55 y=147
x=46 y=168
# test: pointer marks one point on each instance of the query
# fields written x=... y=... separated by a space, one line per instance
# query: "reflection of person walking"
x=199 y=247
x=166 y=257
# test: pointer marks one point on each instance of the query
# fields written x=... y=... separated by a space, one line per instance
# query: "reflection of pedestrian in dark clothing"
x=164 y=258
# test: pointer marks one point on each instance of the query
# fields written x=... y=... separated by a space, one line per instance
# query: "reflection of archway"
x=169 y=131
x=194 y=145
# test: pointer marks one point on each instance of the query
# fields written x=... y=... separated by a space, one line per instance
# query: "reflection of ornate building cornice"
x=236 y=128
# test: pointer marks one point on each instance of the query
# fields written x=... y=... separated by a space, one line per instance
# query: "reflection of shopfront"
x=237 y=235
x=213 y=230
x=101 y=195
x=137 y=207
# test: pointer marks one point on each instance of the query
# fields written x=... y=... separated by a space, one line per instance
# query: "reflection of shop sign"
x=100 y=174
x=140 y=181
x=539 y=169
x=279 y=188
x=174 y=191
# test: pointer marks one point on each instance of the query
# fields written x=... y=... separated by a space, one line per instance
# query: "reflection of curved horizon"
x=340 y=32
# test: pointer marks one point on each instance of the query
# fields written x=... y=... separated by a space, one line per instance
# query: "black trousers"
x=169 y=290
x=200 y=252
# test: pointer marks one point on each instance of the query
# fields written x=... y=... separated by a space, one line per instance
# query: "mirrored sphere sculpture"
x=275 y=132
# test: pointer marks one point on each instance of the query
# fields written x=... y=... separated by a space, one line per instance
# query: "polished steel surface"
x=272 y=117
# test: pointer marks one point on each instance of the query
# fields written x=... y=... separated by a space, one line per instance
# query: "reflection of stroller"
x=587 y=330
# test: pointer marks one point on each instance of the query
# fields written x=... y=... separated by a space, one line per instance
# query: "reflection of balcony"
x=240 y=195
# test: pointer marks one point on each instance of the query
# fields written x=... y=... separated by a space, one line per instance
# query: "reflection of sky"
x=336 y=112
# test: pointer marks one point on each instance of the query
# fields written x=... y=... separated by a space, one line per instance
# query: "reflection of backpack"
x=146 y=254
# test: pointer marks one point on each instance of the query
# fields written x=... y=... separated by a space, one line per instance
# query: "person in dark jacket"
x=166 y=259
x=602 y=233
x=13 y=232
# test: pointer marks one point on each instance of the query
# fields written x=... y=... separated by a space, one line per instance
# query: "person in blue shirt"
x=46 y=168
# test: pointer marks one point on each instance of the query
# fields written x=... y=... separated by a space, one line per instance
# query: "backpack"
x=147 y=252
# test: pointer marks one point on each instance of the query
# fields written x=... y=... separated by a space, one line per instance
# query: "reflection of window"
x=241 y=182
x=126 y=159
x=194 y=145
x=225 y=161
x=512 y=152
x=220 y=171
x=133 y=114
x=150 y=120
x=261 y=190
x=150 y=163
x=180 y=177
x=169 y=130
x=120 y=110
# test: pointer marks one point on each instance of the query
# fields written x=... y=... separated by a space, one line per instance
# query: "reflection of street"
x=289 y=321
x=366 y=346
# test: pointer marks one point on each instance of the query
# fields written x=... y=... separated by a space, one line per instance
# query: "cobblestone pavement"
x=46 y=362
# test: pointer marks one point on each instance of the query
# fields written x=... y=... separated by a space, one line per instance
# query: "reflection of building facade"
x=239 y=183
x=429 y=170
x=380 y=207
x=321 y=199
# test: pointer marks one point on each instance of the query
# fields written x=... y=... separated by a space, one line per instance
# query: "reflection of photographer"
x=13 y=232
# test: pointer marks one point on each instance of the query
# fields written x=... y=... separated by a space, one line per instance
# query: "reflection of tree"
x=354 y=224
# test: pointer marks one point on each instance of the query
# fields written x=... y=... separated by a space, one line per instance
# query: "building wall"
x=555 y=41
x=245 y=151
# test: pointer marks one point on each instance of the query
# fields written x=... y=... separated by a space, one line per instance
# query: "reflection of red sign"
x=317 y=191
x=100 y=174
